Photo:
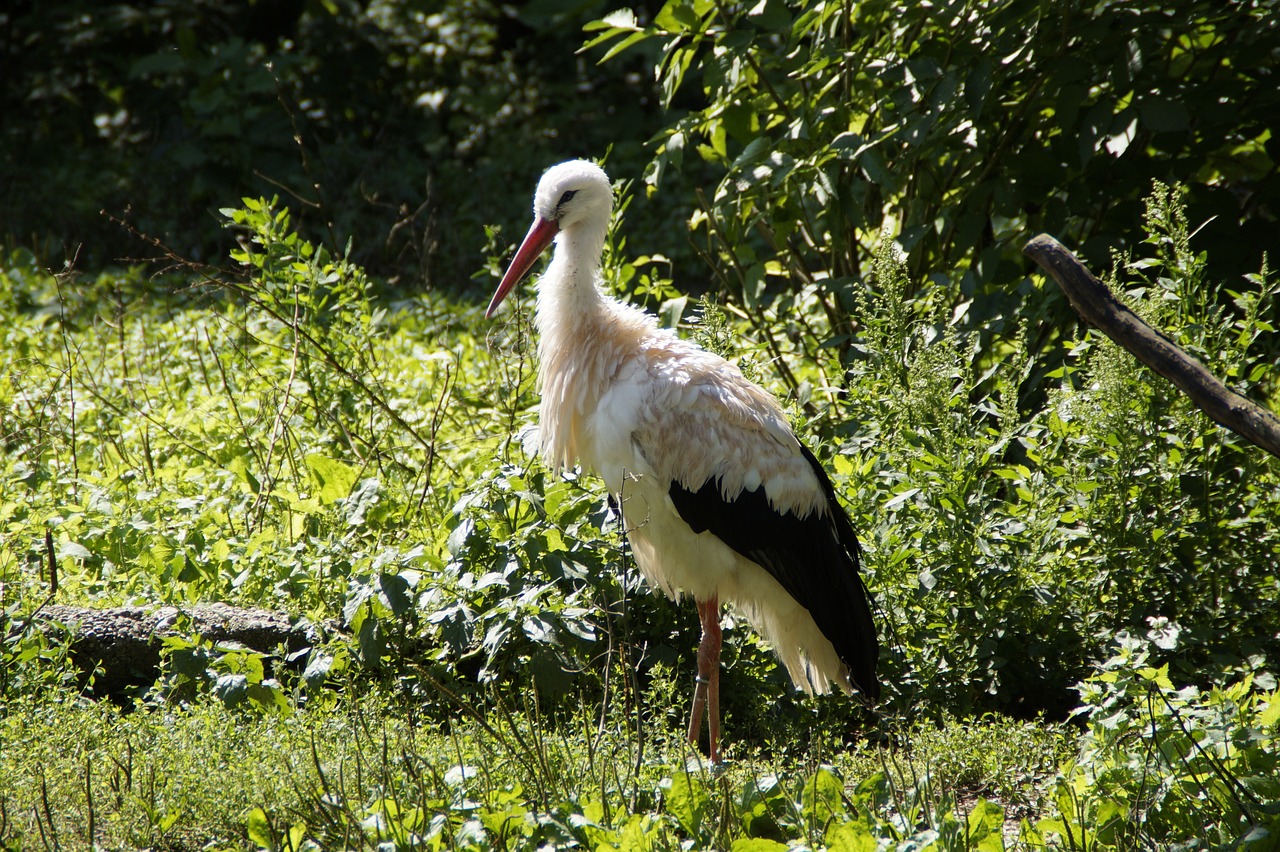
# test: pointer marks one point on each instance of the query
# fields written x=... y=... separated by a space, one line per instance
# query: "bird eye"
x=567 y=197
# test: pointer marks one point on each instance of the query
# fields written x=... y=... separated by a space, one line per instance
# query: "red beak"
x=540 y=235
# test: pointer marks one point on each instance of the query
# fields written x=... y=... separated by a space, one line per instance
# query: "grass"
x=372 y=769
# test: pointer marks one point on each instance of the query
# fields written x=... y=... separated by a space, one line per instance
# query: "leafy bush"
x=962 y=127
x=1162 y=767
x=33 y=656
x=1011 y=544
x=235 y=675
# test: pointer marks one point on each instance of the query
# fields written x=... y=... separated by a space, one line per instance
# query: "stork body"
x=719 y=499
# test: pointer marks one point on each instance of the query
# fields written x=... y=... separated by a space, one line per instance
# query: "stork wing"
x=737 y=471
x=814 y=558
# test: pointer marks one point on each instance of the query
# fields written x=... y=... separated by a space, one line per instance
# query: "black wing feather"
x=815 y=559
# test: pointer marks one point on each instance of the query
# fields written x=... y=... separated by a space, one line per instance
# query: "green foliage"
x=235 y=675
x=992 y=755
x=281 y=437
x=283 y=440
x=33 y=657
x=364 y=774
x=392 y=124
x=287 y=439
x=961 y=127
x=529 y=578
x=1162 y=767
x=1006 y=540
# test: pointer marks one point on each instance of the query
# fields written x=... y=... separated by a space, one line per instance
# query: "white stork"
x=720 y=500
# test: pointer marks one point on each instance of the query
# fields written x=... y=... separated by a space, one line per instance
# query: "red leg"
x=706 y=694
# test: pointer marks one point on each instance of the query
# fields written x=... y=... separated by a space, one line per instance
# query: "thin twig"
x=278 y=427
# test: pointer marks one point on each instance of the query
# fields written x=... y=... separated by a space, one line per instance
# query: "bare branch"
x=1099 y=307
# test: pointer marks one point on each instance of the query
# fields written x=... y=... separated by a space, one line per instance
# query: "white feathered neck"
x=585 y=336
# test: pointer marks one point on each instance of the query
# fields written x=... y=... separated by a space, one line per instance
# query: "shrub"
x=1165 y=767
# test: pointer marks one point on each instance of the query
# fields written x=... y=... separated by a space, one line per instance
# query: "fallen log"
x=123 y=644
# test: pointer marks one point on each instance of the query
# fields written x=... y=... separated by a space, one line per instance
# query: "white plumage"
x=719 y=499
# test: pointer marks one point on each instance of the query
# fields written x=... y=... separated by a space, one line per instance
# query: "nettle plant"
x=1009 y=508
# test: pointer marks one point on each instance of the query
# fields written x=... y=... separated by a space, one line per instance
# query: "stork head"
x=570 y=195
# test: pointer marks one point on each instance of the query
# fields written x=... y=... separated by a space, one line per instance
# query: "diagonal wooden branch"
x=1099 y=307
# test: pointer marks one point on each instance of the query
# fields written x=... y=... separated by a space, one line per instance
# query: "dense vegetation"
x=302 y=408
x=392 y=124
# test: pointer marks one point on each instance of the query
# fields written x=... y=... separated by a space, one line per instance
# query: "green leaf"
x=394 y=589
x=318 y=667
x=851 y=836
x=675 y=65
x=73 y=550
x=371 y=640
x=822 y=796
x=334 y=479
x=688 y=802
x=986 y=827
x=240 y=467
x=231 y=689
x=1162 y=114
x=259 y=829
x=1270 y=714
x=361 y=500
x=672 y=310
x=618 y=47
x=770 y=15
x=757 y=844
x=268 y=696
x=620 y=19
x=297 y=834
x=678 y=16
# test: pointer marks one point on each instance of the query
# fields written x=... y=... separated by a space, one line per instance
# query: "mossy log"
x=122 y=645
